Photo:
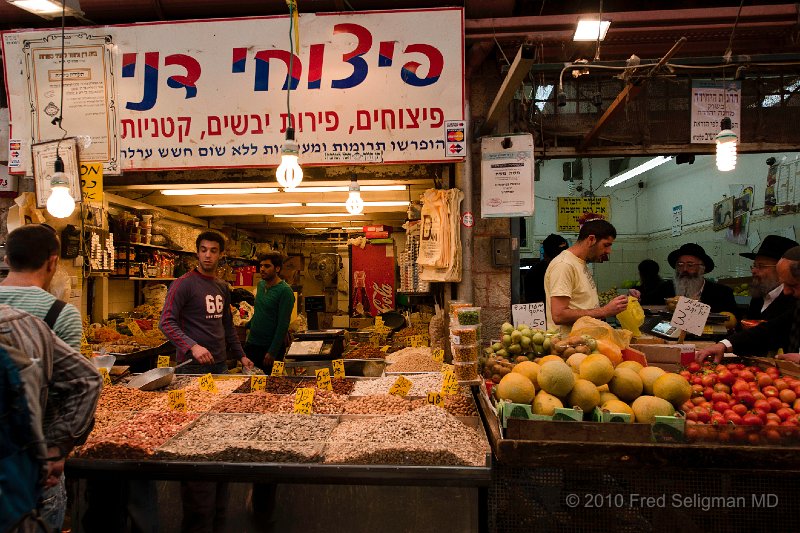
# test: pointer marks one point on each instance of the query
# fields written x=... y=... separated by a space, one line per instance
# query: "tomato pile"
x=741 y=404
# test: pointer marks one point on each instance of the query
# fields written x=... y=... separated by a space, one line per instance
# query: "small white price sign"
x=690 y=315
x=530 y=314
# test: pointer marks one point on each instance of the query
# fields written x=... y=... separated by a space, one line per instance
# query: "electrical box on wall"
x=501 y=252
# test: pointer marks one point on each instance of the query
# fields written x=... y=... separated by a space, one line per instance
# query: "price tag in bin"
x=435 y=398
x=447 y=368
x=690 y=315
x=134 y=327
x=324 y=378
x=106 y=377
x=277 y=369
x=258 y=383
x=449 y=383
x=438 y=355
x=207 y=383
x=163 y=361
x=401 y=386
x=177 y=400
x=338 y=368
x=303 y=400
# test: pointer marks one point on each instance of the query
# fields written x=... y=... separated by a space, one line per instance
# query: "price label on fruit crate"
x=438 y=355
x=690 y=315
x=303 y=400
x=401 y=386
x=207 y=383
x=435 y=398
x=449 y=383
x=106 y=377
x=324 y=378
x=258 y=382
x=530 y=314
x=163 y=361
x=277 y=369
x=338 y=368
x=134 y=327
x=177 y=400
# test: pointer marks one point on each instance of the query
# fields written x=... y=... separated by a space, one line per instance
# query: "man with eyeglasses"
x=691 y=263
x=768 y=300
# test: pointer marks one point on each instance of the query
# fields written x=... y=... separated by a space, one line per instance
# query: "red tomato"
x=709 y=380
x=723 y=435
x=721 y=387
x=796 y=406
x=773 y=372
x=685 y=374
x=697 y=380
x=746 y=398
x=702 y=414
x=774 y=403
x=697 y=400
x=769 y=391
x=687 y=406
x=734 y=418
x=721 y=406
x=751 y=419
x=708 y=392
x=784 y=413
x=758 y=396
x=718 y=420
x=787 y=395
x=727 y=377
x=733 y=366
x=697 y=390
x=739 y=409
x=740 y=385
x=763 y=379
x=753 y=438
x=796 y=389
x=691 y=416
x=780 y=384
x=694 y=366
x=691 y=434
x=774 y=418
x=739 y=434
x=720 y=397
x=747 y=375
x=773 y=436
x=763 y=405
x=791 y=422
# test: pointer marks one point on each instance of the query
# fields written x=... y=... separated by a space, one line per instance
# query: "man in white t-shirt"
x=568 y=284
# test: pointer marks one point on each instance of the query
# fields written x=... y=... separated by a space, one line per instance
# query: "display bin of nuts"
x=466 y=372
x=465 y=334
x=464 y=353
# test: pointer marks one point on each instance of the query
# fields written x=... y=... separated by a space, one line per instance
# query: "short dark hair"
x=211 y=236
x=648 y=268
x=793 y=255
x=601 y=229
x=29 y=247
x=274 y=257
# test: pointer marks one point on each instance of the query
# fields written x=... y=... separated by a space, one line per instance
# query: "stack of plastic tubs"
x=465 y=340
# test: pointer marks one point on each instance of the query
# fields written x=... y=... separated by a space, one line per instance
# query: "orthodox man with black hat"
x=691 y=263
x=768 y=299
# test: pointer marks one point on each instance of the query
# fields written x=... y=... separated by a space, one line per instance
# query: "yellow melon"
x=584 y=395
x=529 y=369
x=646 y=408
x=617 y=406
x=545 y=404
x=597 y=368
x=626 y=384
x=633 y=365
x=516 y=388
x=606 y=396
x=547 y=358
x=556 y=377
x=575 y=360
x=672 y=387
x=649 y=375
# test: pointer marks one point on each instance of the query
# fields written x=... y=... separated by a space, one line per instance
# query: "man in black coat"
x=691 y=263
x=782 y=332
x=768 y=299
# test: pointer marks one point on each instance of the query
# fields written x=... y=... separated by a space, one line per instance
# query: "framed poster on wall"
x=44 y=159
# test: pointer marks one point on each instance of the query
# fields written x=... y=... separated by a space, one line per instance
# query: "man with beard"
x=691 y=263
x=570 y=291
x=768 y=300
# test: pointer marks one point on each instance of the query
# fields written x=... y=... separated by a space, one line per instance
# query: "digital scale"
x=659 y=325
x=322 y=344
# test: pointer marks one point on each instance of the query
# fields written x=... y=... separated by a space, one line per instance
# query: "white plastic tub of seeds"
x=465 y=334
x=464 y=353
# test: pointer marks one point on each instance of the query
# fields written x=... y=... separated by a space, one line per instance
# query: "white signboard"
x=711 y=102
x=530 y=314
x=507 y=176
x=8 y=182
x=366 y=87
x=677 y=219
x=690 y=315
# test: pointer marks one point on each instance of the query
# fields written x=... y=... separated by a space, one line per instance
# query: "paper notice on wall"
x=507 y=176
x=712 y=101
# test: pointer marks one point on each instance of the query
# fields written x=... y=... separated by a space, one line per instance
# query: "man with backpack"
x=32 y=254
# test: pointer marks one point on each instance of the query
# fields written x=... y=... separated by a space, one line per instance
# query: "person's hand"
x=268 y=360
x=793 y=357
x=616 y=306
x=247 y=363
x=202 y=355
x=635 y=293
x=54 y=468
x=715 y=350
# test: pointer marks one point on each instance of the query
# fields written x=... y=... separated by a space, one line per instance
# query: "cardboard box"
x=665 y=353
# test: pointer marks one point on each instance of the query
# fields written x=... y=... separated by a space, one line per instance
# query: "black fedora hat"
x=696 y=250
x=773 y=246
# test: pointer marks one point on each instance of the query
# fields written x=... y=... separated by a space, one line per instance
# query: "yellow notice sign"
x=324 y=378
x=449 y=383
x=385 y=348
x=177 y=400
x=303 y=400
x=277 y=369
x=91 y=175
x=135 y=329
x=207 y=383
x=163 y=361
x=258 y=383
x=569 y=209
x=435 y=398
x=401 y=386
x=338 y=368
x=106 y=378
x=438 y=355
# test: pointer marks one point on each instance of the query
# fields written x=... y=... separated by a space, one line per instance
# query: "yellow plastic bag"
x=632 y=317
x=598 y=329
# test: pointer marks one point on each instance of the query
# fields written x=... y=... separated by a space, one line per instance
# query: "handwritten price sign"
x=106 y=377
x=530 y=314
x=207 y=383
x=258 y=383
x=438 y=355
x=134 y=327
x=690 y=315
x=177 y=400
x=435 y=398
x=324 y=378
x=401 y=386
x=303 y=400
x=277 y=369
x=449 y=383
x=163 y=361
x=338 y=368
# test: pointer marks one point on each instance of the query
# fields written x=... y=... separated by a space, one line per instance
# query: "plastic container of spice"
x=468 y=315
x=465 y=334
x=455 y=305
x=464 y=353
x=466 y=371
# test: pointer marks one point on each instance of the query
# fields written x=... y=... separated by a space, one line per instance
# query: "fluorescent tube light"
x=398 y=203
x=635 y=171
x=317 y=215
x=238 y=206
x=587 y=30
x=194 y=192
x=48 y=9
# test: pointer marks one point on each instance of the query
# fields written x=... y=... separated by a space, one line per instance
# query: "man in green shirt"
x=273 y=310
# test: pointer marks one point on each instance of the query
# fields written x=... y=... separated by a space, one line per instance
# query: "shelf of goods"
x=148 y=262
x=606 y=471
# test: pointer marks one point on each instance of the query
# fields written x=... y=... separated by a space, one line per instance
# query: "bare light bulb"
x=289 y=173
x=60 y=204
x=726 y=147
x=354 y=203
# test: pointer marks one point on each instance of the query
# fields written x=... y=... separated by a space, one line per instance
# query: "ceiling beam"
x=519 y=69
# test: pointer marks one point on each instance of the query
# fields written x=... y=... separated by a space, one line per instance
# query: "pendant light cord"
x=294 y=38
x=57 y=120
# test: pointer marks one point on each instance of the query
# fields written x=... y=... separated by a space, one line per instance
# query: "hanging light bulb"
x=726 y=147
x=289 y=173
x=354 y=203
x=60 y=204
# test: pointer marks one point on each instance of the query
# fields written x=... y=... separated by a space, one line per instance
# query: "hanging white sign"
x=530 y=314
x=711 y=102
x=507 y=176
x=690 y=315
